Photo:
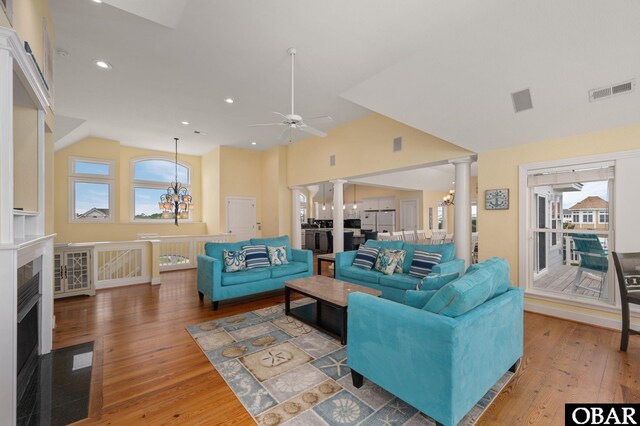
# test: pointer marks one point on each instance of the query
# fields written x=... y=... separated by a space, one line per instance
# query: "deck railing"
x=182 y=252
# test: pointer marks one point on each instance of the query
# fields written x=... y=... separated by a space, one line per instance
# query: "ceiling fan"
x=293 y=121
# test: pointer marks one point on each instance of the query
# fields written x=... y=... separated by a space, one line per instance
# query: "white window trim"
x=110 y=163
x=523 y=240
x=72 y=200
x=149 y=184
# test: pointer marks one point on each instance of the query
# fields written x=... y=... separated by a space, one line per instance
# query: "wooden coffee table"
x=329 y=311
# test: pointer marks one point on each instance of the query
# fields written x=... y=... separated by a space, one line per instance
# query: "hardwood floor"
x=148 y=370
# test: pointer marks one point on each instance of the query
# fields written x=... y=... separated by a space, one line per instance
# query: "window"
x=603 y=217
x=576 y=217
x=151 y=179
x=90 y=190
x=587 y=217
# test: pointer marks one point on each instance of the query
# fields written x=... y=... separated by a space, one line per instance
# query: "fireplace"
x=28 y=322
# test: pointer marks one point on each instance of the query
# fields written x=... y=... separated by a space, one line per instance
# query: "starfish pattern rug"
x=286 y=372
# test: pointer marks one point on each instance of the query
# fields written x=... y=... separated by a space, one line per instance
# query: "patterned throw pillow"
x=256 y=256
x=277 y=255
x=387 y=261
x=400 y=264
x=423 y=262
x=366 y=257
x=234 y=260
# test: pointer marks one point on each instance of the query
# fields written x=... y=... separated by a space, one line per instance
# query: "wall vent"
x=332 y=160
x=522 y=100
x=609 y=91
x=397 y=144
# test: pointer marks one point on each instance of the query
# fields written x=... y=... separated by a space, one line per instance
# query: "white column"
x=338 y=215
x=6 y=147
x=296 y=238
x=462 y=210
x=312 y=208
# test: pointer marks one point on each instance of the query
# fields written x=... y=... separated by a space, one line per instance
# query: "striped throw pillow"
x=366 y=257
x=256 y=256
x=423 y=262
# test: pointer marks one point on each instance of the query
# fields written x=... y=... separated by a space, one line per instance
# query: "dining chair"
x=593 y=258
x=397 y=235
x=628 y=272
x=448 y=238
x=474 y=247
x=370 y=235
x=384 y=236
x=409 y=235
x=438 y=236
x=421 y=234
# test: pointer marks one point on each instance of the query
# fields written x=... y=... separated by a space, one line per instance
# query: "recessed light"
x=254 y=143
x=229 y=100
x=102 y=64
x=97 y=1
x=186 y=123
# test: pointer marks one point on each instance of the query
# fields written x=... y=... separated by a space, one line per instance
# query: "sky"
x=90 y=195
x=589 y=189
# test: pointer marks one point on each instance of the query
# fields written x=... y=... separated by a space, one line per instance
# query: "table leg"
x=287 y=300
x=343 y=326
x=319 y=266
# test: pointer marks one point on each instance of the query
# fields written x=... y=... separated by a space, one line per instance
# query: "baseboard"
x=582 y=317
x=122 y=283
x=156 y=281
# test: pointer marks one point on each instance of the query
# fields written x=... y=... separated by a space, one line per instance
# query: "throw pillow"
x=400 y=264
x=256 y=256
x=278 y=255
x=387 y=261
x=234 y=260
x=366 y=257
x=423 y=262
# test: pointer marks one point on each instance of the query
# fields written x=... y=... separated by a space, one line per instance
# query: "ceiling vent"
x=609 y=91
x=522 y=100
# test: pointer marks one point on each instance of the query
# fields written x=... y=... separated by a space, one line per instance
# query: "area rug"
x=288 y=373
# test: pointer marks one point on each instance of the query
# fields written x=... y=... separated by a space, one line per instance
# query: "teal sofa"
x=443 y=354
x=393 y=287
x=218 y=285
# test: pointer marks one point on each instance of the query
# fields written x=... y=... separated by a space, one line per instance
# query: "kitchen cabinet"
x=326 y=214
x=72 y=271
x=387 y=203
x=370 y=204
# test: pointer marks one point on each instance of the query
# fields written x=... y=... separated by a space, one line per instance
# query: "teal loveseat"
x=218 y=285
x=393 y=287
x=445 y=351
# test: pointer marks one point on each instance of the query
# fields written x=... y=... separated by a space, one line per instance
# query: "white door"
x=409 y=215
x=241 y=217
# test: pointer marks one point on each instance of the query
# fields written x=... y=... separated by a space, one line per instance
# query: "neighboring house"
x=590 y=213
x=95 y=213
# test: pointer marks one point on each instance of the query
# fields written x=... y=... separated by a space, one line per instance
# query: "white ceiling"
x=435 y=178
x=446 y=68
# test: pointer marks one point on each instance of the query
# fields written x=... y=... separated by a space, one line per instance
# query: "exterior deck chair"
x=397 y=235
x=628 y=272
x=438 y=236
x=593 y=258
x=409 y=235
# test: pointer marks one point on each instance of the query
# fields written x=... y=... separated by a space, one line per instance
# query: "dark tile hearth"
x=58 y=392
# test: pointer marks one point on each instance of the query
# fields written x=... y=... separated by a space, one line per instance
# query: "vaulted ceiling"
x=447 y=68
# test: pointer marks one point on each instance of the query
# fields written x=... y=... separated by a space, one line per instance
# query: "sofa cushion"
x=418 y=298
x=499 y=267
x=234 y=260
x=462 y=295
x=448 y=252
x=361 y=274
x=245 y=276
x=400 y=266
x=401 y=281
x=216 y=250
x=275 y=242
x=385 y=244
x=256 y=256
x=423 y=262
x=277 y=255
x=290 y=268
x=366 y=257
x=387 y=261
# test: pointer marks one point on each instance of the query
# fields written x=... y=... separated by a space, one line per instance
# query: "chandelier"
x=177 y=199
x=447 y=200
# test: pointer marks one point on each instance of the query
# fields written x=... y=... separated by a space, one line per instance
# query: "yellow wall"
x=277 y=202
x=362 y=147
x=498 y=229
x=211 y=191
x=25 y=158
x=123 y=228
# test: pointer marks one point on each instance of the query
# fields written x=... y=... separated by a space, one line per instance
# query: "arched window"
x=150 y=179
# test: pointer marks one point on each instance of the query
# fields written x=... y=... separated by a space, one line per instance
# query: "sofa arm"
x=305 y=256
x=455 y=265
x=345 y=258
x=209 y=275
